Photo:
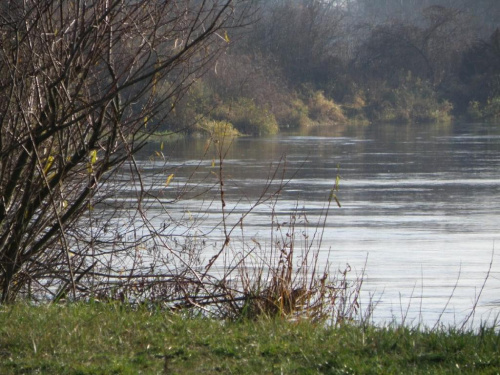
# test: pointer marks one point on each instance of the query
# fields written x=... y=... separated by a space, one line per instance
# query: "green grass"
x=114 y=339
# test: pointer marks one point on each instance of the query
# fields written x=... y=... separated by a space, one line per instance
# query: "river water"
x=419 y=215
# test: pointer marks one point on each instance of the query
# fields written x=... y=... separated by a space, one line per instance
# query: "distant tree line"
x=313 y=61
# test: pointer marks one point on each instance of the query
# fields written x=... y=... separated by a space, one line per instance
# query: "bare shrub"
x=81 y=218
x=171 y=262
x=80 y=94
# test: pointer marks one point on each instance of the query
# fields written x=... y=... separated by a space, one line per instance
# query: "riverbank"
x=112 y=338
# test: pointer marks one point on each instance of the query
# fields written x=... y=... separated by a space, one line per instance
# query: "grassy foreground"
x=114 y=339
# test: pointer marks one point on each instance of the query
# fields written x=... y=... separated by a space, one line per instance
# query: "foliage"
x=297 y=114
x=323 y=110
x=248 y=117
x=342 y=51
x=99 y=338
x=489 y=111
x=193 y=107
x=355 y=108
x=218 y=130
x=413 y=100
x=296 y=50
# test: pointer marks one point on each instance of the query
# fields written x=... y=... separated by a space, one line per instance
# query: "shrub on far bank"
x=247 y=117
x=488 y=111
x=297 y=115
x=218 y=129
x=413 y=100
x=354 y=109
x=325 y=111
x=316 y=110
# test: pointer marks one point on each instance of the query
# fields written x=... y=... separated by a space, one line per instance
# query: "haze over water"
x=420 y=207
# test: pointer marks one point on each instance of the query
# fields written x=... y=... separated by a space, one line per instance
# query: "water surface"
x=420 y=207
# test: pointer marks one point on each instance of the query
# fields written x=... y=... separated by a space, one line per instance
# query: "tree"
x=305 y=37
x=429 y=50
x=80 y=82
x=486 y=12
x=480 y=70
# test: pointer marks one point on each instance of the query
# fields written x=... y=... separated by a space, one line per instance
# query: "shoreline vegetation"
x=310 y=63
x=414 y=104
x=113 y=338
x=246 y=118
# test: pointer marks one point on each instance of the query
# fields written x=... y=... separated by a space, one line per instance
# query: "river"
x=419 y=211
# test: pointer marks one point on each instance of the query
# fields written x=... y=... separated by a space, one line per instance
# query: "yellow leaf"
x=92 y=161
x=226 y=37
x=93 y=157
x=161 y=146
x=169 y=178
x=50 y=161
